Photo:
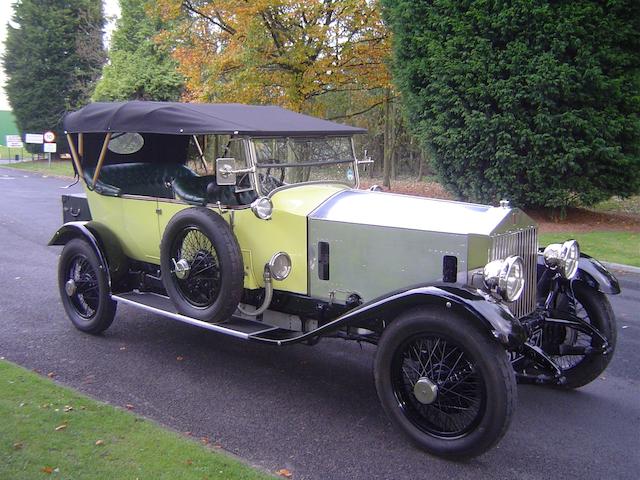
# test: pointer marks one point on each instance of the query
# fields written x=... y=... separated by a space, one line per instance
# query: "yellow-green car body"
x=249 y=221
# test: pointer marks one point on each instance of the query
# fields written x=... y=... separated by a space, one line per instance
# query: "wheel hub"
x=425 y=391
x=70 y=287
x=182 y=268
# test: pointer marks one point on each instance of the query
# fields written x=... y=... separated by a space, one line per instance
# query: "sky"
x=111 y=11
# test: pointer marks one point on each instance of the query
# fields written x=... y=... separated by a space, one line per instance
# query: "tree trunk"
x=387 y=144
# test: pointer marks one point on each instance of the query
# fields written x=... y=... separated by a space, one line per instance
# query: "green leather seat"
x=148 y=179
x=203 y=190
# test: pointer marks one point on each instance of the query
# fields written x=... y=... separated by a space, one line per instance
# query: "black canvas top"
x=198 y=118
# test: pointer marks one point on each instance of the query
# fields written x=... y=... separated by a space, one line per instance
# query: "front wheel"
x=592 y=307
x=84 y=288
x=444 y=383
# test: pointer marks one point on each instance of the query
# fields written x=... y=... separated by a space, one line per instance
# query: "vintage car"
x=249 y=221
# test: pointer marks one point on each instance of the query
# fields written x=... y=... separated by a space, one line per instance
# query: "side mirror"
x=225 y=171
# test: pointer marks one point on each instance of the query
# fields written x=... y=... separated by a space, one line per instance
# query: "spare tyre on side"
x=201 y=263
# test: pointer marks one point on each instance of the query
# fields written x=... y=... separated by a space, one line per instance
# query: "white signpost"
x=14 y=141
x=50 y=147
x=33 y=138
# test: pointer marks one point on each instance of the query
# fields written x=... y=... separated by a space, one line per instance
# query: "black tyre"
x=201 y=263
x=445 y=383
x=84 y=288
x=593 y=307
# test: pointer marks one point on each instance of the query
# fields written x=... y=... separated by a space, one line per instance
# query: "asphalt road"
x=312 y=410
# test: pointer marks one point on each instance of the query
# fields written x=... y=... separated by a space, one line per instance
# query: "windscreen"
x=285 y=161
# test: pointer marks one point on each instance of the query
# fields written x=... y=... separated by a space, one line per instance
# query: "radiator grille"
x=525 y=244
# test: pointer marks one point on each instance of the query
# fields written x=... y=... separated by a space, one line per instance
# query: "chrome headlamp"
x=280 y=266
x=262 y=208
x=505 y=277
x=563 y=257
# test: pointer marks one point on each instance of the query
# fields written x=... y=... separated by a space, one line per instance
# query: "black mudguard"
x=468 y=302
x=103 y=241
x=590 y=272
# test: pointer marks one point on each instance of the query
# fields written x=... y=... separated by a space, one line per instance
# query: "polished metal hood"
x=417 y=213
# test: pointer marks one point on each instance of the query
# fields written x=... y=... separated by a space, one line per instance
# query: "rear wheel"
x=445 y=383
x=84 y=288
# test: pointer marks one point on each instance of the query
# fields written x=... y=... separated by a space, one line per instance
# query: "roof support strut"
x=74 y=154
x=103 y=153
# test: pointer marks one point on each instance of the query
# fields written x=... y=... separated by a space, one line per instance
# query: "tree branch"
x=361 y=112
x=218 y=22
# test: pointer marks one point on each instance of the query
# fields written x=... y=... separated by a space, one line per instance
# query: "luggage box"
x=75 y=208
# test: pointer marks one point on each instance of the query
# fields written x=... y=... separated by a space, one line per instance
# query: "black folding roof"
x=198 y=118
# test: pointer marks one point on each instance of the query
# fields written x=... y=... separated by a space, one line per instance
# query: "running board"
x=235 y=326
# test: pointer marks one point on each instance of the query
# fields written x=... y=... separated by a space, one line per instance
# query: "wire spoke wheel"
x=85 y=298
x=84 y=287
x=558 y=335
x=444 y=382
x=592 y=307
x=458 y=403
x=201 y=265
x=201 y=284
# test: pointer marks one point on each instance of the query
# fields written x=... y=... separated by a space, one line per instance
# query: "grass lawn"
x=616 y=247
x=629 y=205
x=10 y=153
x=47 y=431
x=62 y=168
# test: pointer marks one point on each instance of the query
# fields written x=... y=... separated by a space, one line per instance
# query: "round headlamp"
x=505 y=277
x=280 y=266
x=563 y=257
x=262 y=208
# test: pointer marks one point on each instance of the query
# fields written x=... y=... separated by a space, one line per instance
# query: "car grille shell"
x=524 y=243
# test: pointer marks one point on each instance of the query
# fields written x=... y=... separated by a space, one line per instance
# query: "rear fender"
x=102 y=240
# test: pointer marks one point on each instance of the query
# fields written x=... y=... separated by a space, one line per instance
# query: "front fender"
x=468 y=302
x=590 y=272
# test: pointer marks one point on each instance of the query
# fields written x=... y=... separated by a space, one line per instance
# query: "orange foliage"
x=282 y=52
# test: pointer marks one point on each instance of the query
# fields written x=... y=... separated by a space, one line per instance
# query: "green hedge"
x=534 y=101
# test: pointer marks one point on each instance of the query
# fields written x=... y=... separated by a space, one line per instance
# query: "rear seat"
x=165 y=180
x=148 y=179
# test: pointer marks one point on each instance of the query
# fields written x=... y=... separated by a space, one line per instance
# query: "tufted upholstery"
x=202 y=190
x=149 y=179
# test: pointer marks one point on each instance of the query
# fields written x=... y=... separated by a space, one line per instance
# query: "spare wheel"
x=201 y=265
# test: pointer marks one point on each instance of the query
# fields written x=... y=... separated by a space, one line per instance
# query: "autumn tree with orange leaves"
x=296 y=54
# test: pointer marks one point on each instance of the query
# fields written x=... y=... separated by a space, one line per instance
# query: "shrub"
x=537 y=102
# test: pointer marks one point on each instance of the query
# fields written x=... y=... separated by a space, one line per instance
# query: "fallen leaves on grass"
x=68 y=408
x=48 y=470
x=205 y=440
x=283 y=472
x=51 y=374
x=61 y=427
x=18 y=445
x=99 y=442
x=129 y=406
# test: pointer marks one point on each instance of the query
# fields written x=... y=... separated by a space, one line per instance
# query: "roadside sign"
x=14 y=141
x=49 y=137
x=49 y=147
x=33 y=138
